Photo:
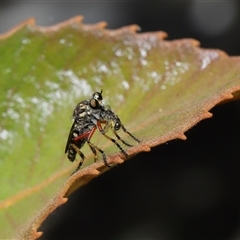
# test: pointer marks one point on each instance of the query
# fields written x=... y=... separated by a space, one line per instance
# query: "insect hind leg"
x=94 y=149
x=81 y=155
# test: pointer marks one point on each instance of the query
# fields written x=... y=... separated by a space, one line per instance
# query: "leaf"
x=159 y=89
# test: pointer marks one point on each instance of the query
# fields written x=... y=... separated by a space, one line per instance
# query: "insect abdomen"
x=71 y=154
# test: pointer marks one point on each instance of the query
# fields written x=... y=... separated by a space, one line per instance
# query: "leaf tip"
x=208 y=115
x=145 y=148
x=100 y=25
x=133 y=28
x=75 y=20
x=30 y=234
x=117 y=160
x=28 y=22
x=38 y=235
x=182 y=136
x=64 y=200
x=159 y=35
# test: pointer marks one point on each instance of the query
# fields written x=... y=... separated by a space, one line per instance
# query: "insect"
x=88 y=116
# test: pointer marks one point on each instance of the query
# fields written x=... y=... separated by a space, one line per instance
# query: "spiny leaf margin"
x=85 y=175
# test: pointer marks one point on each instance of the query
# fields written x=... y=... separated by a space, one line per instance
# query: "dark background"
x=181 y=189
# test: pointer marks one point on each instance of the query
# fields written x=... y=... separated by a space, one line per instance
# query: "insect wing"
x=69 y=137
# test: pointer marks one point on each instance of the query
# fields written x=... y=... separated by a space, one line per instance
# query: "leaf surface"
x=158 y=88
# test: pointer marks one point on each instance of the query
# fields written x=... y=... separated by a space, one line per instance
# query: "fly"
x=88 y=116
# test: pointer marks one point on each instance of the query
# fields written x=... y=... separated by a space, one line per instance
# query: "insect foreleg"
x=111 y=139
x=106 y=127
x=95 y=148
x=126 y=131
x=119 y=138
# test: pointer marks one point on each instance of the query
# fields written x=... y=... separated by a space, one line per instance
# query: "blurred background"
x=214 y=23
x=181 y=189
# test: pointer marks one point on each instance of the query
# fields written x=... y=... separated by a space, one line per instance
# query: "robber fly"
x=88 y=116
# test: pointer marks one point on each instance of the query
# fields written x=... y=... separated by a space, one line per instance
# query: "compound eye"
x=94 y=103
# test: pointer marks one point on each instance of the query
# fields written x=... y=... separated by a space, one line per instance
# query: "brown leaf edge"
x=85 y=175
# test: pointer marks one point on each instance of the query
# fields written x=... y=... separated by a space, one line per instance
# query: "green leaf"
x=158 y=88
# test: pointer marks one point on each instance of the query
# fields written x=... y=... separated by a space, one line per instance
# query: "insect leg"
x=111 y=139
x=119 y=138
x=94 y=151
x=92 y=146
x=106 y=127
x=126 y=131
x=95 y=148
x=81 y=155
